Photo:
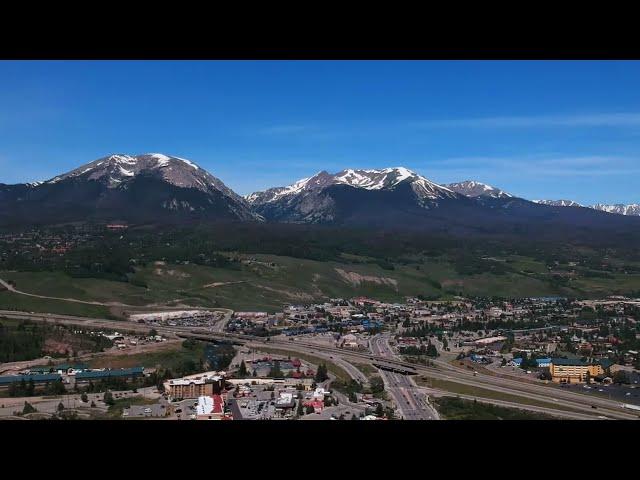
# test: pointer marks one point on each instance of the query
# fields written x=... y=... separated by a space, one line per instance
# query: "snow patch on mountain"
x=472 y=188
x=618 y=208
x=558 y=203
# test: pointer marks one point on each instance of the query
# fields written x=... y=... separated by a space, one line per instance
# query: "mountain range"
x=157 y=188
x=632 y=209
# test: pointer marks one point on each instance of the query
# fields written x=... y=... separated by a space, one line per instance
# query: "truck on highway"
x=630 y=406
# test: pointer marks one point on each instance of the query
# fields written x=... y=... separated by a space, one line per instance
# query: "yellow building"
x=565 y=370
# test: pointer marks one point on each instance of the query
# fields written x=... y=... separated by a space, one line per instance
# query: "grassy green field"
x=463 y=389
x=458 y=409
x=23 y=303
x=368 y=370
x=172 y=357
x=266 y=282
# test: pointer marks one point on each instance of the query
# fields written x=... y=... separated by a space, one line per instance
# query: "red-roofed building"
x=317 y=405
x=210 y=408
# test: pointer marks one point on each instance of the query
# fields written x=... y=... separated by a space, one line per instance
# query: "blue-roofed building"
x=516 y=362
x=543 y=362
x=122 y=373
x=37 y=379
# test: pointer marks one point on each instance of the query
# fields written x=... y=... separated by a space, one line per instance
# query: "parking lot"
x=621 y=393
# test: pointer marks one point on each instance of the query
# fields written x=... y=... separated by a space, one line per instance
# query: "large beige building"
x=565 y=370
x=194 y=387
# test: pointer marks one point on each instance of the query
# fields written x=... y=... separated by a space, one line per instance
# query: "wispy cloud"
x=541 y=121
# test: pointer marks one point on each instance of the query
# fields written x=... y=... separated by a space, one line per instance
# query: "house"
x=516 y=362
x=320 y=393
x=318 y=405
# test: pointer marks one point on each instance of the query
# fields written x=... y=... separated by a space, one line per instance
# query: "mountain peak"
x=119 y=168
x=558 y=203
x=145 y=186
x=473 y=188
x=619 y=208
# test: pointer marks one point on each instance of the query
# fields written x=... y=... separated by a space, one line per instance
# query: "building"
x=567 y=370
x=202 y=386
x=6 y=381
x=120 y=373
x=543 y=362
x=516 y=362
x=210 y=407
x=285 y=401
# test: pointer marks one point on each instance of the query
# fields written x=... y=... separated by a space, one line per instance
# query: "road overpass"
x=441 y=368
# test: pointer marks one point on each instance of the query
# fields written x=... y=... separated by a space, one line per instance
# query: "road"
x=12 y=289
x=410 y=402
x=441 y=368
x=520 y=406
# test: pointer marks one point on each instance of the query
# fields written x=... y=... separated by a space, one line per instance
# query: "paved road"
x=456 y=373
x=49 y=404
x=12 y=289
x=353 y=372
x=520 y=406
x=410 y=402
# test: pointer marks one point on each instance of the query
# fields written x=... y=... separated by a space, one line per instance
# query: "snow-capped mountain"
x=115 y=170
x=383 y=179
x=149 y=187
x=558 y=203
x=618 y=208
x=323 y=197
x=473 y=189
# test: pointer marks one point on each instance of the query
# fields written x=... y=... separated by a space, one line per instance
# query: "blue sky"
x=556 y=129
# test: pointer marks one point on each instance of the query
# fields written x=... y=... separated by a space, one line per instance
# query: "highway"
x=409 y=401
x=442 y=369
x=520 y=406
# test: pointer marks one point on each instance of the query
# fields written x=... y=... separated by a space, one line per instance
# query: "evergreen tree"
x=321 y=374
x=28 y=408
x=108 y=398
x=242 y=371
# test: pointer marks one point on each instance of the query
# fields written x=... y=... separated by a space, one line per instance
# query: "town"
x=343 y=359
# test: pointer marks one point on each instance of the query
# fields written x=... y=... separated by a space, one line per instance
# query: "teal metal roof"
x=122 y=372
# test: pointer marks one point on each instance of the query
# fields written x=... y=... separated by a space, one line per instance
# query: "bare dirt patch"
x=288 y=293
x=356 y=279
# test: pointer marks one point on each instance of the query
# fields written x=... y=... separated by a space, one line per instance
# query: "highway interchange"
x=410 y=400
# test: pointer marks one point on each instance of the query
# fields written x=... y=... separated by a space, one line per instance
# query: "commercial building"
x=120 y=373
x=202 y=386
x=567 y=370
x=210 y=407
x=6 y=381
